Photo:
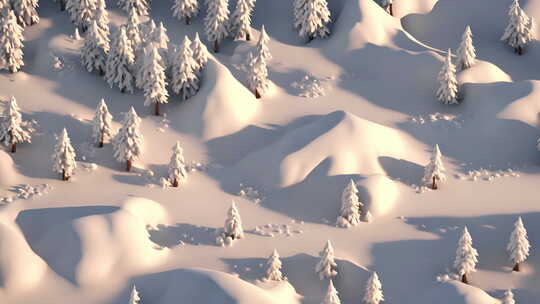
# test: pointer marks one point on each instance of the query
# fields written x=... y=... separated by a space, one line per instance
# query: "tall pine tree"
x=95 y=49
x=520 y=29
x=314 y=19
x=185 y=81
x=119 y=67
x=13 y=129
x=519 y=246
x=216 y=22
x=240 y=27
x=26 y=12
x=466 y=256
x=325 y=267
x=200 y=53
x=448 y=84
x=11 y=42
x=64 y=156
x=177 y=167
x=434 y=170
x=350 y=207
x=153 y=80
x=466 y=54
x=102 y=124
x=127 y=143
x=185 y=10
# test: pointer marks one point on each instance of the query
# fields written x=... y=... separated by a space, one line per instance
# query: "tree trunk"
x=516 y=267
x=62 y=5
x=257 y=94
x=156 y=110
x=464 y=279
x=519 y=50
x=128 y=165
x=310 y=38
x=101 y=137
x=248 y=37
x=216 y=46
x=188 y=20
x=390 y=10
x=123 y=90
x=64 y=175
x=175 y=183
x=101 y=72
x=13 y=147
x=434 y=184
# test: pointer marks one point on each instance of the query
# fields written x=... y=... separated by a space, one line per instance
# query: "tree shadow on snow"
x=402 y=170
x=182 y=233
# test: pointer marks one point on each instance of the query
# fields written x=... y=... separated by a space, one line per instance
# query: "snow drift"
x=454 y=292
x=8 y=174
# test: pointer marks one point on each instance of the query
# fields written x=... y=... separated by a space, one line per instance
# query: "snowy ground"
x=284 y=160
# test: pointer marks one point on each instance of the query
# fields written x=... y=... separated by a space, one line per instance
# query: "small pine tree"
x=331 y=295
x=508 y=297
x=95 y=49
x=466 y=256
x=11 y=42
x=140 y=6
x=262 y=45
x=387 y=5
x=368 y=218
x=448 y=84
x=200 y=53
x=134 y=296
x=215 y=22
x=257 y=75
x=326 y=265
x=127 y=143
x=26 y=12
x=102 y=124
x=519 y=246
x=233 y=224
x=153 y=79
x=350 y=207
x=314 y=20
x=240 y=27
x=185 y=10
x=273 y=268
x=520 y=29
x=64 y=156
x=13 y=129
x=118 y=69
x=185 y=81
x=373 y=294
x=434 y=170
x=177 y=167
x=466 y=54
x=102 y=18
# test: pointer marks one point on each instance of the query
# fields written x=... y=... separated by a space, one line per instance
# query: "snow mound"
x=222 y=106
x=8 y=175
x=351 y=144
x=403 y=8
x=454 y=292
x=383 y=193
x=20 y=268
x=211 y=287
x=483 y=72
x=88 y=248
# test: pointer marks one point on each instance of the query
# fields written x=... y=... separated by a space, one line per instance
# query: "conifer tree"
x=120 y=62
x=273 y=267
x=240 y=27
x=387 y=5
x=262 y=45
x=141 y=6
x=200 y=53
x=160 y=38
x=153 y=79
x=508 y=297
x=350 y=207
x=134 y=296
x=102 y=124
x=466 y=54
x=325 y=267
x=102 y=18
x=133 y=30
x=177 y=167
x=26 y=12
x=233 y=224
x=185 y=10
x=313 y=22
x=331 y=295
x=95 y=49
x=13 y=129
x=64 y=157
x=299 y=10
x=466 y=256
x=434 y=170
x=520 y=29
x=185 y=81
x=215 y=22
x=257 y=75
x=519 y=246
x=448 y=84
x=82 y=12
x=368 y=218
x=11 y=42
x=127 y=143
x=373 y=293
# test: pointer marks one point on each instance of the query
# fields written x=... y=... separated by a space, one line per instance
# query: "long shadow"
x=51 y=234
x=403 y=170
x=182 y=233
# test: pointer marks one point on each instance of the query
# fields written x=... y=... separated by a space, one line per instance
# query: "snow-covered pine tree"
x=299 y=10
x=216 y=22
x=185 y=81
x=177 y=167
x=26 y=12
x=147 y=30
x=325 y=267
x=466 y=54
x=520 y=29
x=240 y=26
x=153 y=79
x=82 y=12
x=508 y=297
x=519 y=246
x=200 y=53
x=331 y=295
x=434 y=170
x=273 y=267
x=134 y=296
x=466 y=256
x=262 y=45
x=314 y=21
x=102 y=18
x=373 y=293
x=118 y=70
x=448 y=84
x=257 y=75
x=387 y=5
x=11 y=42
x=141 y=6
x=368 y=218
x=102 y=124
x=95 y=49
x=13 y=129
x=64 y=156
x=160 y=38
x=127 y=143
x=185 y=10
x=233 y=224
x=350 y=207
x=133 y=30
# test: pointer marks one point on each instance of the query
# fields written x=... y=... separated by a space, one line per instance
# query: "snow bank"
x=403 y=8
x=383 y=193
x=8 y=174
x=483 y=72
x=222 y=106
x=454 y=292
